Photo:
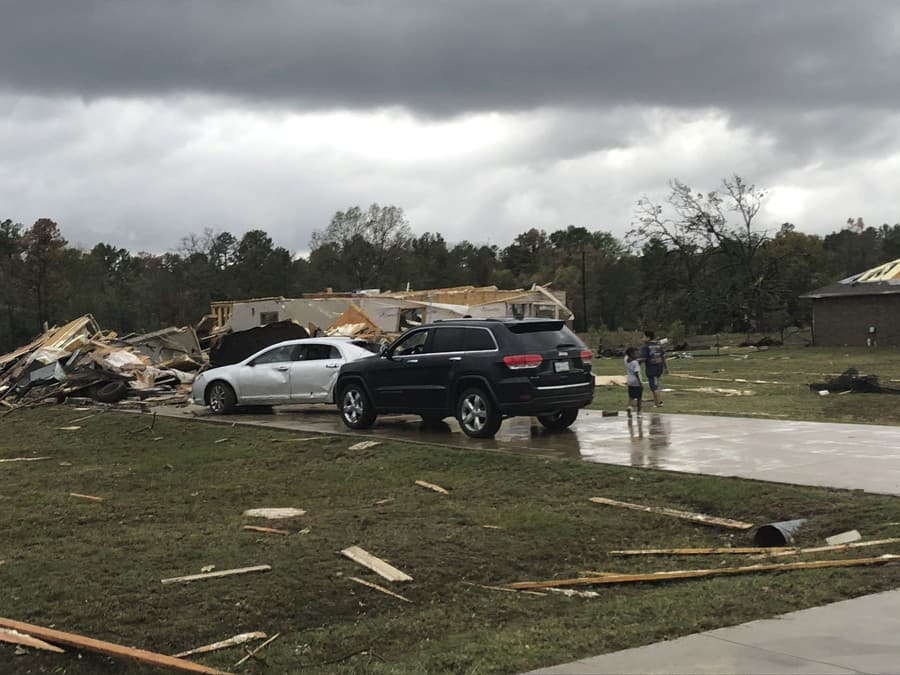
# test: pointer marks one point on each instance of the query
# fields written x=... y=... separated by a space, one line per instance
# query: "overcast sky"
x=136 y=123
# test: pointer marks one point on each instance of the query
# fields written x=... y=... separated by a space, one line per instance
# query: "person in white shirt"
x=633 y=380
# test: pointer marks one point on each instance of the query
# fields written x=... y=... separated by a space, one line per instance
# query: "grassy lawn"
x=173 y=503
x=792 y=368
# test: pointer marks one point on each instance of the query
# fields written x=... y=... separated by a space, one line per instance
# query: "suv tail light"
x=586 y=355
x=522 y=361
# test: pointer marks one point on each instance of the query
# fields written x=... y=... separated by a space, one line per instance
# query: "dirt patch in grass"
x=173 y=504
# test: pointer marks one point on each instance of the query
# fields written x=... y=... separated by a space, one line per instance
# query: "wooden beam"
x=686 y=515
x=432 y=486
x=24 y=459
x=270 y=530
x=216 y=575
x=222 y=644
x=377 y=565
x=17 y=638
x=103 y=647
x=765 y=550
x=688 y=574
x=379 y=588
x=90 y=497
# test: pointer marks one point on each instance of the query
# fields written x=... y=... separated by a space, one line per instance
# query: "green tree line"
x=696 y=260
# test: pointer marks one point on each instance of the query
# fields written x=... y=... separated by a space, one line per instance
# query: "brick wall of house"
x=845 y=321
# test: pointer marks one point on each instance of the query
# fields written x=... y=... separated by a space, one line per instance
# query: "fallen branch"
x=379 y=588
x=17 y=638
x=689 y=574
x=686 y=515
x=253 y=653
x=432 y=486
x=216 y=575
x=222 y=644
x=377 y=565
x=270 y=530
x=103 y=647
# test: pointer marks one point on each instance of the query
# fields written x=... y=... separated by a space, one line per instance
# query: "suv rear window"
x=461 y=339
x=541 y=336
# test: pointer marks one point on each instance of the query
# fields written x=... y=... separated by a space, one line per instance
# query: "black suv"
x=477 y=370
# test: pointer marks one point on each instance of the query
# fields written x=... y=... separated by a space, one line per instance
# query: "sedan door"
x=314 y=372
x=266 y=379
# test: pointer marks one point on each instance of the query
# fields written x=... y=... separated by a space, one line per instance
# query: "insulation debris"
x=687 y=515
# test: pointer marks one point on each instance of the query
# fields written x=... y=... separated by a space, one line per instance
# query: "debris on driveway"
x=687 y=515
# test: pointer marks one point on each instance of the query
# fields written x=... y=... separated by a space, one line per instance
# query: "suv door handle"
x=282 y=368
x=455 y=358
x=413 y=361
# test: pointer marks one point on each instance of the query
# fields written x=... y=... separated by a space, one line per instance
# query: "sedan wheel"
x=476 y=414
x=356 y=410
x=221 y=398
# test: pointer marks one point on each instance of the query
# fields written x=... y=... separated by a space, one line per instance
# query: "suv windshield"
x=540 y=336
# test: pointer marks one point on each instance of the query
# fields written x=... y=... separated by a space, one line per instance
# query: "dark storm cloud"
x=459 y=56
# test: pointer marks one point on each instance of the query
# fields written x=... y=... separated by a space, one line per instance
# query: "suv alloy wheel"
x=476 y=414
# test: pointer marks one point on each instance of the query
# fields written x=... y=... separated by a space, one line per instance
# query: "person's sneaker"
x=629 y=411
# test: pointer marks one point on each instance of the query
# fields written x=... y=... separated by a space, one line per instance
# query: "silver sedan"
x=295 y=371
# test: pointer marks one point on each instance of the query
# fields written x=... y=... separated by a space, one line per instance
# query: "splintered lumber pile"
x=686 y=515
x=107 y=648
x=377 y=565
x=607 y=578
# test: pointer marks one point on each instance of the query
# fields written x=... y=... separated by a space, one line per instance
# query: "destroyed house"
x=861 y=310
x=371 y=313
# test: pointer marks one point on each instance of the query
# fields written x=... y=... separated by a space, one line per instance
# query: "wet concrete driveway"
x=851 y=456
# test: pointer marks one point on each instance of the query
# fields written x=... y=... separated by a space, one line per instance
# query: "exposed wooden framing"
x=270 y=530
x=251 y=654
x=379 y=588
x=688 y=574
x=686 y=515
x=17 y=638
x=216 y=575
x=103 y=647
x=432 y=486
x=90 y=497
x=222 y=644
x=377 y=565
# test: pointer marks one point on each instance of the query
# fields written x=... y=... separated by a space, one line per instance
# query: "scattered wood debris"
x=687 y=515
x=720 y=390
x=91 y=497
x=275 y=513
x=841 y=547
x=251 y=654
x=503 y=588
x=843 y=538
x=222 y=440
x=222 y=644
x=382 y=501
x=364 y=445
x=103 y=647
x=432 y=486
x=270 y=530
x=771 y=551
x=377 y=565
x=17 y=638
x=216 y=575
x=492 y=527
x=296 y=440
x=607 y=578
x=379 y=588
x=572 y=593
x=725 y=379
x=24 y=459
x=69 y=428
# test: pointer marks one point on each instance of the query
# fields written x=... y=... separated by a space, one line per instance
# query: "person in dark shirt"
x=654 y=357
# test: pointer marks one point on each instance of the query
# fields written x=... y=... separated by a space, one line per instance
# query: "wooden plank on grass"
x=90 y=497
x=686 y=515
x=379 y=588
x=222 y=644
x=270 y=530
x=103 y=647
x=251 y=654
x=432 y=486
x=690 y=574
x=17 y=638
x=24 y=459
x=765 y=550
x=216 y=575
x=377 y=565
